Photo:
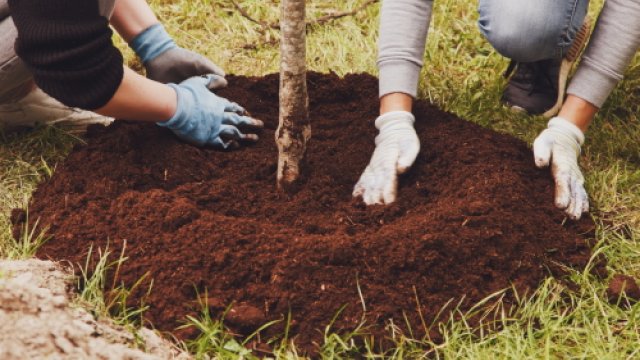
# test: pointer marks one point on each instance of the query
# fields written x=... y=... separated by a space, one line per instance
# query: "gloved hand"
x=203 y=118
x=166 y=62
x=397 y=146
x=560 y=144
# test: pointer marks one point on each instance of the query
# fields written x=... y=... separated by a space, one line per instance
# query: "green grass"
x=462 y=75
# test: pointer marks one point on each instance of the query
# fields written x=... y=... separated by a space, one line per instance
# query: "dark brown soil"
x=474 y=216
x=620 y=284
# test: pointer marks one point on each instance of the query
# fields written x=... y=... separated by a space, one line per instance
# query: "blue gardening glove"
x=203 y=118
x=166 y=62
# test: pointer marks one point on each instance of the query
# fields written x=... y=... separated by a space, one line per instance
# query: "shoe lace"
x=510 y=68
x=534 y=74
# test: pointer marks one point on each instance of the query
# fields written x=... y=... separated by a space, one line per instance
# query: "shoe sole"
x=567 y=63
x=515 y=108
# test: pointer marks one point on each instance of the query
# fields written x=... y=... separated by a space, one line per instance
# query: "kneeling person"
x=66 y=61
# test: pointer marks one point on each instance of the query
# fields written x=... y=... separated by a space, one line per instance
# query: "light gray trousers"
x=13 y=72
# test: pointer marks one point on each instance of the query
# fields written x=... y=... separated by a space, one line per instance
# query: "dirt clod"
x=473 y=216
x=620 y=284
x=246 y=317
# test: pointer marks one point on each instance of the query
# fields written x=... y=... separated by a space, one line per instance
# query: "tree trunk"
x=294 y=129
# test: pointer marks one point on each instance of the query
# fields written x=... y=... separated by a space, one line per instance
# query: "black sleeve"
x=67 y=46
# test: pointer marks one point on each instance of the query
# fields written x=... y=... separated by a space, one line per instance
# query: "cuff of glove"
x=184 y=102
x=394 y=119
x=567 y=127
x=152 y=42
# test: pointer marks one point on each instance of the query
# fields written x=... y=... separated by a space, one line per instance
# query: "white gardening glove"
x=397 y=147
x=560 y=144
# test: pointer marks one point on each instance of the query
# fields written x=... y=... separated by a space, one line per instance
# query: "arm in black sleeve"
x=67 y=46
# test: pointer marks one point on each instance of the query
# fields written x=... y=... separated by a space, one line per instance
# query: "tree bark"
x=294 y=129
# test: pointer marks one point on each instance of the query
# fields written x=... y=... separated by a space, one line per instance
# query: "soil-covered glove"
x=203 y=118
x=397 y=146
x=166 y=62
x=560 y=145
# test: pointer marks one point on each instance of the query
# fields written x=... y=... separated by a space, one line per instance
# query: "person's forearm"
x=139 y=98
x=131 y=17
x=578 y=111
x=615 y=40
x=395 y=102
x=403 y=32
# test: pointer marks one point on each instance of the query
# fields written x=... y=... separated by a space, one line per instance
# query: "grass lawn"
x=463 y=75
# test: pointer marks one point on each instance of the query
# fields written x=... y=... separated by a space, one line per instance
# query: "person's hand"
x=166 y=62
x=397 y=146
x=203 y=118
x=559 y=145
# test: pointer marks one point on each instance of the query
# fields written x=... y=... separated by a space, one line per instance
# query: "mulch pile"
x=473 y=216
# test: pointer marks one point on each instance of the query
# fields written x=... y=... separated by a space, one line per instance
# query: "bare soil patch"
x=38 y=320
x=474 y=216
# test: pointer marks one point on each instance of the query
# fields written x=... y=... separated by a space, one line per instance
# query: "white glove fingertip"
x=563 y=192
x=542 y=151
x=358 y=190
x=390 y=190
x=574 y=210
x=572 y=215
x=362 y=184
x=370 y=198
x=585 y=203
x=377 y=189
x=406 y=159
x=580 y=198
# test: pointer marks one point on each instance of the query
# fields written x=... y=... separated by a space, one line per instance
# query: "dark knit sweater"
x=67 y=46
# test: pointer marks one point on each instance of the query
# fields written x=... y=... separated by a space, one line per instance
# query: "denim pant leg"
x=13 y=72
x=531 y=30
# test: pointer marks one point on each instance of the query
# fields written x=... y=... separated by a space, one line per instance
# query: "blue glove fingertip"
x=234 y=107
x=217 y=82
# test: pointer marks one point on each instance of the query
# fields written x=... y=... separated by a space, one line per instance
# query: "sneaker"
x=538 y=88
x=532 y=88
x=38 y=108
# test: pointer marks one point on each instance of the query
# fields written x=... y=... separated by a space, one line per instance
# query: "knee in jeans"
x=522 y=39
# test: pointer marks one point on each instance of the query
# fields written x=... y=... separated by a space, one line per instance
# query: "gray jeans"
x=13 y=72
x=527 y=30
